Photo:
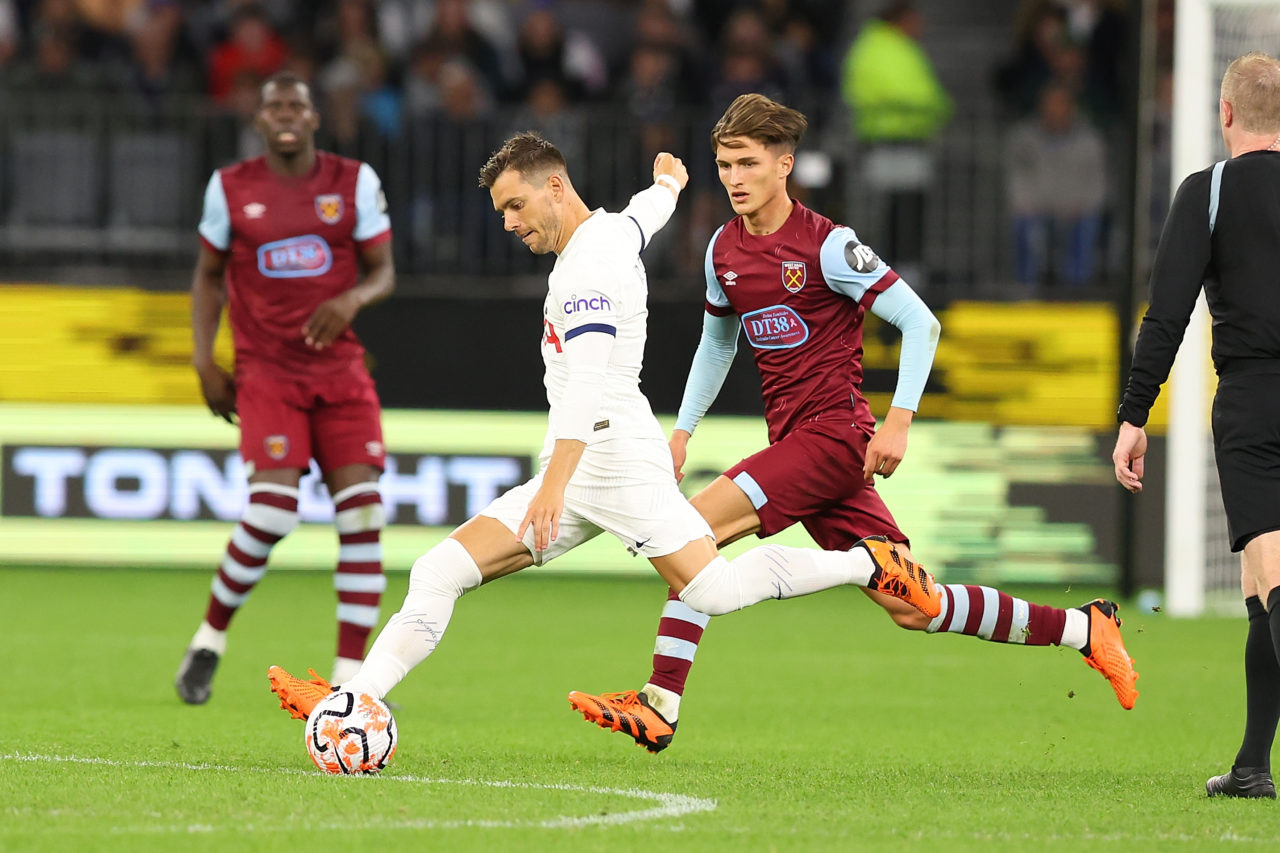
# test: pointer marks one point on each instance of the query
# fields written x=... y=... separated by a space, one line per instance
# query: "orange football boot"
x=897 y=576
x=298 y=697
x=628 y=712
x=1106 y=652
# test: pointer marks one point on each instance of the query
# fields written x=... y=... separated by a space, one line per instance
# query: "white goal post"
x=1200 y=572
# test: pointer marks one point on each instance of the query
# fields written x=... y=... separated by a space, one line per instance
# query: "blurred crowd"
x=863 y=70
x=393 y=60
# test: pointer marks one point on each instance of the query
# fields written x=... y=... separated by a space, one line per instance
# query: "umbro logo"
x=255 y=210
x=730 y=277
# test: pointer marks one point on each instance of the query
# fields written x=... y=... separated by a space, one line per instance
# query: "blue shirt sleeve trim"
x=643 y=241
x=591 y=327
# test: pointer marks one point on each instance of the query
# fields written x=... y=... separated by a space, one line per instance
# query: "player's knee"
x=447 y=569
x=714 y=590
x=359 y=509
x=272 y=509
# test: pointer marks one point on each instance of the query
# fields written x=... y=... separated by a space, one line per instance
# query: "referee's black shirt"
x=1239 y=266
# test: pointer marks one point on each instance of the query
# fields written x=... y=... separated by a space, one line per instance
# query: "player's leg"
x=275 y=444
x=358 y=581
x=1250 y=774
x=731 y=516
x=346 y=437
x=482 y=549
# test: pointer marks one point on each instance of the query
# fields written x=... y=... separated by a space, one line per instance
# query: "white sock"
x=1075 y=633
x=665 y=702
x=344 y=669
x=773 y=571
x=439 y=578
x=209 y=637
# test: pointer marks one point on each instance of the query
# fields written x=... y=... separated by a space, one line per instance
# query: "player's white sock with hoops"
x=439 y=578
x=773 y=571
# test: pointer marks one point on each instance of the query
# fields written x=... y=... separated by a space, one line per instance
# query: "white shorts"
x=624 y=486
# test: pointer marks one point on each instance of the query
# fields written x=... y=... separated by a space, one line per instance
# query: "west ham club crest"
x=794 y=275
x=329 y=208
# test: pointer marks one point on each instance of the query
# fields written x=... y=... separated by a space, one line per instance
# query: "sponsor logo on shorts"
x=329 y=208
x=296 y=257
x=794 y=275
x=277 y=446
x=587 y=303
x=775 y=327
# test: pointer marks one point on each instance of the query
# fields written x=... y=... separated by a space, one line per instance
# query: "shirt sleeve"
x=371 y=206
x=215 y=220
x=717 y=302
x=1182 y=259
x=591 y=310
x=650 y=209
x=710 y=366
x=903 y=307
x=852 y=268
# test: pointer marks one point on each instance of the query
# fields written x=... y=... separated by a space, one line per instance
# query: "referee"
x=1223 y=233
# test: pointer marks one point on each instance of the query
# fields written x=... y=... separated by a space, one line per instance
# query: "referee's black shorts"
x=1246 y=442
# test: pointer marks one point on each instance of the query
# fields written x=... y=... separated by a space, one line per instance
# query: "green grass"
x=811 y=725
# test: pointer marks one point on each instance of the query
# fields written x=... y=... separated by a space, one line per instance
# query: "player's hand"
x=544 y=515
x=669 y=164
x=1129 y=456
x=887 y=446
x=330 y=319
x=679 y=445
x=219 y=390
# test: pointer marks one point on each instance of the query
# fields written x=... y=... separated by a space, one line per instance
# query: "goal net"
x=1201 y=573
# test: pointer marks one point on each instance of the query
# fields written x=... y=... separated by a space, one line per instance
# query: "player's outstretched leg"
x=897 y=576
x=628 y=712
x=1105 y=650
x=298 y=696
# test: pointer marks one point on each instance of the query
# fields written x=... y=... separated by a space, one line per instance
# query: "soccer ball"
x=350 y=733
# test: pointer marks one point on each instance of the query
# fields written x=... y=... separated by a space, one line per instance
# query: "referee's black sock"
x=1262 y=681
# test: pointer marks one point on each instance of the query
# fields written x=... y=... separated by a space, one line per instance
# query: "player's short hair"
x=283 y=79
x=760 y=119
x=1252 y=87
x=527 y=153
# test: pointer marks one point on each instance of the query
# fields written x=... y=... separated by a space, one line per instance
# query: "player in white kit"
x=605 y=463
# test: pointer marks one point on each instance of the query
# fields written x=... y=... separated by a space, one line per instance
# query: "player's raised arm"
x=650 y=208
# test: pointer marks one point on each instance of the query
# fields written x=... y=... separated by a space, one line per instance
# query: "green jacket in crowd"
x=891 y=87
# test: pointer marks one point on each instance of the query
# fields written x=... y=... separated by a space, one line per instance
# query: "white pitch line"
x=667 y=805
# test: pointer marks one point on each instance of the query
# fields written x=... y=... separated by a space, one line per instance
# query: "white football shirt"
x=594 y=320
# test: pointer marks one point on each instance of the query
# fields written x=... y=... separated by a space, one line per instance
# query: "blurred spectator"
x=54 y=68
x=356 y=90
x=453 y=33
x=569 y=59
x=547 y=110
x=1057 y=191
x=1040 y=33
x=898 y=107
x=160 y=71
x=9 y=34
x=748 y=61
x=1101 y=28
x=421 y=80
x=252 y=45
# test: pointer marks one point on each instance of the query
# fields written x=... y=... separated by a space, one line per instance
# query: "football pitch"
x=809 y=725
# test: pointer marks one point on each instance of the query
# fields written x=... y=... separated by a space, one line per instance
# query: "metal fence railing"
x=118 y=184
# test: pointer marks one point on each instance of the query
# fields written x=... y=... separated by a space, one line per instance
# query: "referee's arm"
x=1181 y=262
